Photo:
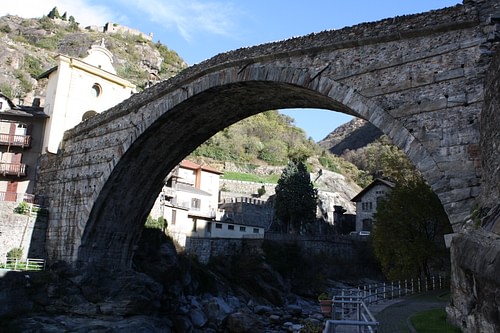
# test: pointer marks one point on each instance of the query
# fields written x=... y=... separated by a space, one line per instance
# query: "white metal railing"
x=350 y=314
x=375 y=292
x=28 y=264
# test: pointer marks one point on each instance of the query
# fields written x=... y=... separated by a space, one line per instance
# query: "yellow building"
x=78 y=89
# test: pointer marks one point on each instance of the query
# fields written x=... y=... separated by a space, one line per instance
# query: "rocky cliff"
x=352 y=135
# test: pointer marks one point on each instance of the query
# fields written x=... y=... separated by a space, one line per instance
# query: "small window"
x=195 y=203
x=96 y=90
x=255 y=230
x=218 y=225
x=174 y=216
x=243 y=228
x=230 y=227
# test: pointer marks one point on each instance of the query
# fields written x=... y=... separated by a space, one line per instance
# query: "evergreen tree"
x=296 y=198
x=409 y=228
x=54 y=13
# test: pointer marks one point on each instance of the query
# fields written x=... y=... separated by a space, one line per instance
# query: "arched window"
x=96 y=90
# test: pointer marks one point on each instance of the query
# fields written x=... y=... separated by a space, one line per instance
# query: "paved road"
x=393 y=315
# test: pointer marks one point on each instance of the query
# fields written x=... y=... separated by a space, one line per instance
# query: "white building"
x=367 y=201
x=189 y=203
x=78 y=89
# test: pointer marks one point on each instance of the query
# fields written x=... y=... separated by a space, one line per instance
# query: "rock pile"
x=132 y=302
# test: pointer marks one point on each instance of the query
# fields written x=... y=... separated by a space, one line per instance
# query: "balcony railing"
x=15 y=140
x=12 y=169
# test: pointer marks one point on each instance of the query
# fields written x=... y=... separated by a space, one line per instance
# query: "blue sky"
x=200 y=29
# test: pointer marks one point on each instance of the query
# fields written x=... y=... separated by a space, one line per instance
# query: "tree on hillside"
x=409 y=228
x=296 y=198
x=382 y=156
x=54 y=13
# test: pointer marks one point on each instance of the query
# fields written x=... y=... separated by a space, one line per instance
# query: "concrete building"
x=78 y=89
x=367 y=200
x=189 y=203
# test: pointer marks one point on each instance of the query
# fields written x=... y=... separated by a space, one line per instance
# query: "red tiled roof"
x=193 y=166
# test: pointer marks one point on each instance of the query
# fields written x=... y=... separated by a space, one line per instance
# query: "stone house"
x=367 y=200
x=248 y=211
x=21 y=130
x=78 y=89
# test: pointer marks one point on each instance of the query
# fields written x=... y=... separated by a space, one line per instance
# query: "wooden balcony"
x=12 y=169
x=15 y=140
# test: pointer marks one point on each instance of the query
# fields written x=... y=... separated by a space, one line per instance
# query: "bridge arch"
x=211 y=104
x=105 y=179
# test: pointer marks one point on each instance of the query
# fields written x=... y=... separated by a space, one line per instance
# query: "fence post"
x=369 y=292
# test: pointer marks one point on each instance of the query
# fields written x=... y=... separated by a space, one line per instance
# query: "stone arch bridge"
x=418 y=78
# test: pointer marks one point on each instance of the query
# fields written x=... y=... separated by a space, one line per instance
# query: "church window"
x=96 y=90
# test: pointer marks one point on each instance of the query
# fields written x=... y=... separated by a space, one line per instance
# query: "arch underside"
x=129 y=193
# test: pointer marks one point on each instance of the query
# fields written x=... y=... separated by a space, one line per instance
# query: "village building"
x=21 y=130
x=189 y=202
x=367 y=201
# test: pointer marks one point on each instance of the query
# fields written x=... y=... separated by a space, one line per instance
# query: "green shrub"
x=33 y=66
x=25 y=83
x=7 y=90
x=5 y=28
x=49 y=43
x=152 y=223
x=22 y=208
x=15 y=253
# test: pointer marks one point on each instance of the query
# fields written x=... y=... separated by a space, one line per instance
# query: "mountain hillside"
x=353 y=135
x=30 y=45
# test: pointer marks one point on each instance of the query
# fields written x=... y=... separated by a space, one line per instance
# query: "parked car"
x=361 y=233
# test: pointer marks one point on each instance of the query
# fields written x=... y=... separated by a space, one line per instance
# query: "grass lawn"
x=432 y=321
x=273 y=179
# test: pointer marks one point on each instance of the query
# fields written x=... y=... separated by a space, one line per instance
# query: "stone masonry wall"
x=475 y=254
x=204 y=248
x=21 y=231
